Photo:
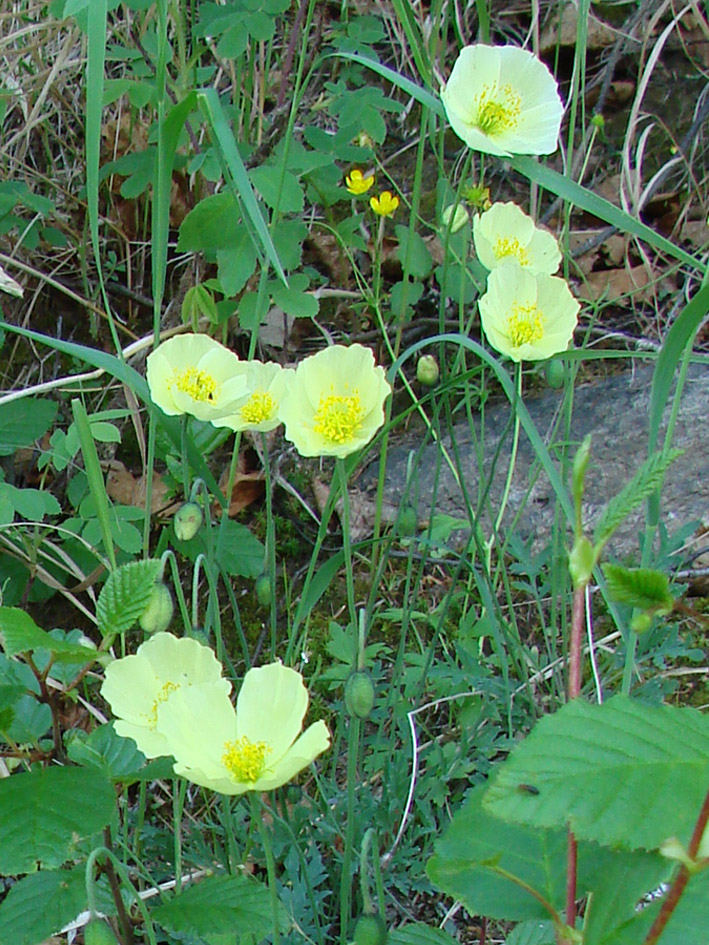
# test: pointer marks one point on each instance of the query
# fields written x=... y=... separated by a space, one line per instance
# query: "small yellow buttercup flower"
x=357 y=183
x=385 y=204
x=259 y=408
x=334 y=402
x=193 y=373
x=136 y=685
x=257 y=747
x=527 y=316
x=503 y=100
x=505 y=233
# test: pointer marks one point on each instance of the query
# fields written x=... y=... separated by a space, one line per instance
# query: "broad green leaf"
x=288 y=236
x=219 y=904
x=41 y=904
x=647 y=479
x=212 y=225
x=412 y=252
x=293 y=298
x=239 y=552
x=638 y=587
x=280 y=190
x=688 y=925
x=45 y=813
x=416 y=933
x=236 y=263
x=532 y=933
x=20 y=634
x=622 y=773
x=24 y=421
x=476 y=845
x=31 y=504
x=125 y=595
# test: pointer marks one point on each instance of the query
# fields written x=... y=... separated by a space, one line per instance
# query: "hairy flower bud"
x=454 y=217
x=157 y=615
x=359 y=694
x=188 y=521
x=264 y=591
x=98 y=932
x=370 y=930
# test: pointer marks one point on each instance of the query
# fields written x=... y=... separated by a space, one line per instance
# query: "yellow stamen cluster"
x=198 y=384
x=338 y=417
x=511 y=247
x=525 y=325
x=162 y=696
x=258 y=408
x=245 y=759
x=498 y=110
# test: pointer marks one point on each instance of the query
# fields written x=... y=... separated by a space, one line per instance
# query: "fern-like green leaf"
x=125 y=595
x=647 y=479
x=639 y=587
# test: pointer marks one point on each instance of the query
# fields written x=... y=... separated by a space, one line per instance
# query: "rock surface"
x=613 y=410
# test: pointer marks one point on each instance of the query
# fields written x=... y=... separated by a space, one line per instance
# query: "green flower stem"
x=301 y=610
x=179 y=790
x=346 y=878
x=347 y=549
x=256 y=813
x=270 y=541
x=116 y=869
x=169 y=556
x=511 y=467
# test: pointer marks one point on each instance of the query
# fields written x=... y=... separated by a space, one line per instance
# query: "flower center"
x=338 y=417
x=498 y=110
x=525 y=325
x=511 y=247
x=197 y=384
x=163 y=695
x=258 y=408
x=245 y=759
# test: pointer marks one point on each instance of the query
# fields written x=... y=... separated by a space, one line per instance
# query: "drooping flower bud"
x=157 y=615
x=370 y=930
x=188 y=521
x=264 y=591
x=98 y=932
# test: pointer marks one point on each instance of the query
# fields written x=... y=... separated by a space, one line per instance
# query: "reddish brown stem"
x=574 y=690
x=679 y=883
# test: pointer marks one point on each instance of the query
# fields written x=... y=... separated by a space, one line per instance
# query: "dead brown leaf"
x=123 y=487
x=614 y=283
x=362 y=510
x=248 y=484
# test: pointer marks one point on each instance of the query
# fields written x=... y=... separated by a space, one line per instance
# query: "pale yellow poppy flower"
x=527 y=316
x=193 y=373
x=505 y=233
x=334 y=402
x=259 y=408
x=357 y=183
x=257 y=747
x=502 y=100
x=164 y=665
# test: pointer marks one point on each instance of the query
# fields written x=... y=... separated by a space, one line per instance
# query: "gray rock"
x=614 y=410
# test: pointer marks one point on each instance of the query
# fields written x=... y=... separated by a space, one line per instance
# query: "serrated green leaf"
x=220 y=904
x=688 y=924
x=239 y=552
x=118 y=758
x=294 y=298
x=41 y=904
x=24 y=421
x=280 y=190
x=20 y=634
x=125 y=595
x=647 y=479
x=638 y=587
x=622 y=773
x=213 y=224
x=532 y=933
x=46 y=812
x=417 y=933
